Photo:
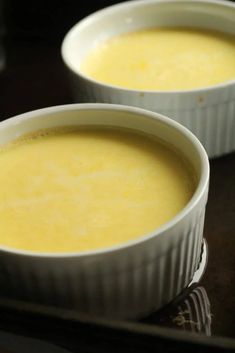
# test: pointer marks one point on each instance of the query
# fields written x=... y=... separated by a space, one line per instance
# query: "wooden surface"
x=82 y=333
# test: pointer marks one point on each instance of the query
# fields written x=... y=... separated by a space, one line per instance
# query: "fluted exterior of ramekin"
x=208 y=113
x=126 y=283
x=214 y=125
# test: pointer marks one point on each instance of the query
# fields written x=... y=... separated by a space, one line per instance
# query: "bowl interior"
x=133 y=15
x=107 y=115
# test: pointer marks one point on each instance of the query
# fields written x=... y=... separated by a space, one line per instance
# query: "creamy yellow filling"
x=163 y=59
x=84 y=189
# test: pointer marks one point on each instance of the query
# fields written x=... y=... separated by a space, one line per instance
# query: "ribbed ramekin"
x=208 y=112
x=125 y=281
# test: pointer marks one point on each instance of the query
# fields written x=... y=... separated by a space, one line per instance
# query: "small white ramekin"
x=125 y=281
x=208 y=112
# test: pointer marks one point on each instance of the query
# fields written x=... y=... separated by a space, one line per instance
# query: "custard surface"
x=163 y=59
x=85 y=189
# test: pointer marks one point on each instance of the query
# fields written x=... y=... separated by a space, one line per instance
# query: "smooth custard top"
x=85 y=189
x=163 y=59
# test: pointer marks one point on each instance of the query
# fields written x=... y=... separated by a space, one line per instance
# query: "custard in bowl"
x=100 y=199
x=163 y=58
x=172 y=57
x=79 y=187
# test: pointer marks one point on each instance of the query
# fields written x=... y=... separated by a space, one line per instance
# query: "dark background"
x=32 y=35
x=47 y=19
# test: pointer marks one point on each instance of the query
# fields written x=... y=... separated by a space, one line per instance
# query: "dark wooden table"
x=35 y=77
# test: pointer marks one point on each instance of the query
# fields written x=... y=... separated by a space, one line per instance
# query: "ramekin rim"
x=198 y=194
x=126 y=4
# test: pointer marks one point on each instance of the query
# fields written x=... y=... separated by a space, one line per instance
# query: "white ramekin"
x=125 y=281
x=208 y=112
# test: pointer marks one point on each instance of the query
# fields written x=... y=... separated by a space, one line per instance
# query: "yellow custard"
x=88 y=188
x=163 y=59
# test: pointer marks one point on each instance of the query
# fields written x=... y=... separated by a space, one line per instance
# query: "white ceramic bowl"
x=125 y=281
x=208 y=112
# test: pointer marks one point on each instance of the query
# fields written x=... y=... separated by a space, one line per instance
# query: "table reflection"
x=191 y=311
